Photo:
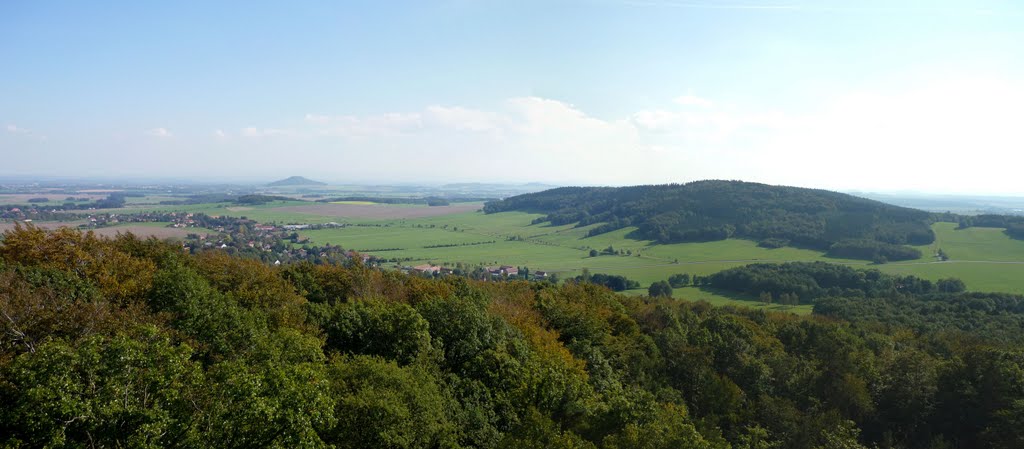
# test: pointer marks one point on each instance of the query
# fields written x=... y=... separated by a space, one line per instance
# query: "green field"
x=560 y=249
x=986 y=259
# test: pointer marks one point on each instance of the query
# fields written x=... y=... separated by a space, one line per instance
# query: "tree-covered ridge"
x=715 y=210
x=127 y=342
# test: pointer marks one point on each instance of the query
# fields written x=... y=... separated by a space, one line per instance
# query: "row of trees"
x=614 y=282
x=1014 y=224
x=809 y=281
x=873 y=250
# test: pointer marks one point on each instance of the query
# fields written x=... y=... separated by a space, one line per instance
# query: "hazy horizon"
x=921 y=97
x=263 y=182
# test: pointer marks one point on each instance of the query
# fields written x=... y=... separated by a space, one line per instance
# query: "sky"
x=923 y=96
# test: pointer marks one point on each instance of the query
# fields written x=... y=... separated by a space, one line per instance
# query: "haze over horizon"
x=923 y=96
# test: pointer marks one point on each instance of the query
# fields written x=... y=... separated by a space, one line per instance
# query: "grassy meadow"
x=986 y=259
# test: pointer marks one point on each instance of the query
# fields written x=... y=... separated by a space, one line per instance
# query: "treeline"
x=1014 y=224
x=202 y=198
x=454 y=245
x=128 y=342
x=248 y=199
x=809 y=281
x=873 y=250
x=990 y=221
x=716 y=210
x=615 y=283
x=255 y=199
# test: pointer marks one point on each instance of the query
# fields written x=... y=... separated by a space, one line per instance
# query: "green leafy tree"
x=669 y=429
x=380 y=404
x=279 y=397
x=128 y=390
x=394 y=331
x=660 y=289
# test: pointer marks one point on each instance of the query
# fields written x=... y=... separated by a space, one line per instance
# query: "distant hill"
x=296 y=181
x=845 y=225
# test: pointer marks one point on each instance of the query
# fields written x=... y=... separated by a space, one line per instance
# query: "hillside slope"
x=716 y=210
x=296 y=181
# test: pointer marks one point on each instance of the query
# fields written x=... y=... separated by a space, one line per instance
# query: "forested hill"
x=715 y=210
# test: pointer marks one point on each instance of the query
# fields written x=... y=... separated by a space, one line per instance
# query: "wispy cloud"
x=11 y=128
x=15 y=129
x=162 y=133
x=253 y=132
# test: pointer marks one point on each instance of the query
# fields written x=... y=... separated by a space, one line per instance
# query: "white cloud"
x=315 y=118
x=954 y=135
x=220 y=134
x=522 y=138
x=957 y=135
x=254 y=132
x=568 y=137
x=160 y=132
x=464 y=119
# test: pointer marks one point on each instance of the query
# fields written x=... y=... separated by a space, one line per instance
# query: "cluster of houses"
x=504 y=271
x=176 y=219
x=508 y=270
x=428 y=269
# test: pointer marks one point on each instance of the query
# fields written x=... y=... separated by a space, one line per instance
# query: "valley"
x=461 y=235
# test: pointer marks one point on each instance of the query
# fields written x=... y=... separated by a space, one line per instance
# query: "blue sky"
x=875 y=96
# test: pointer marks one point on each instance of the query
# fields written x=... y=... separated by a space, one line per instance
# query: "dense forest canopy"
x=134 y=343
x=716 y=210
